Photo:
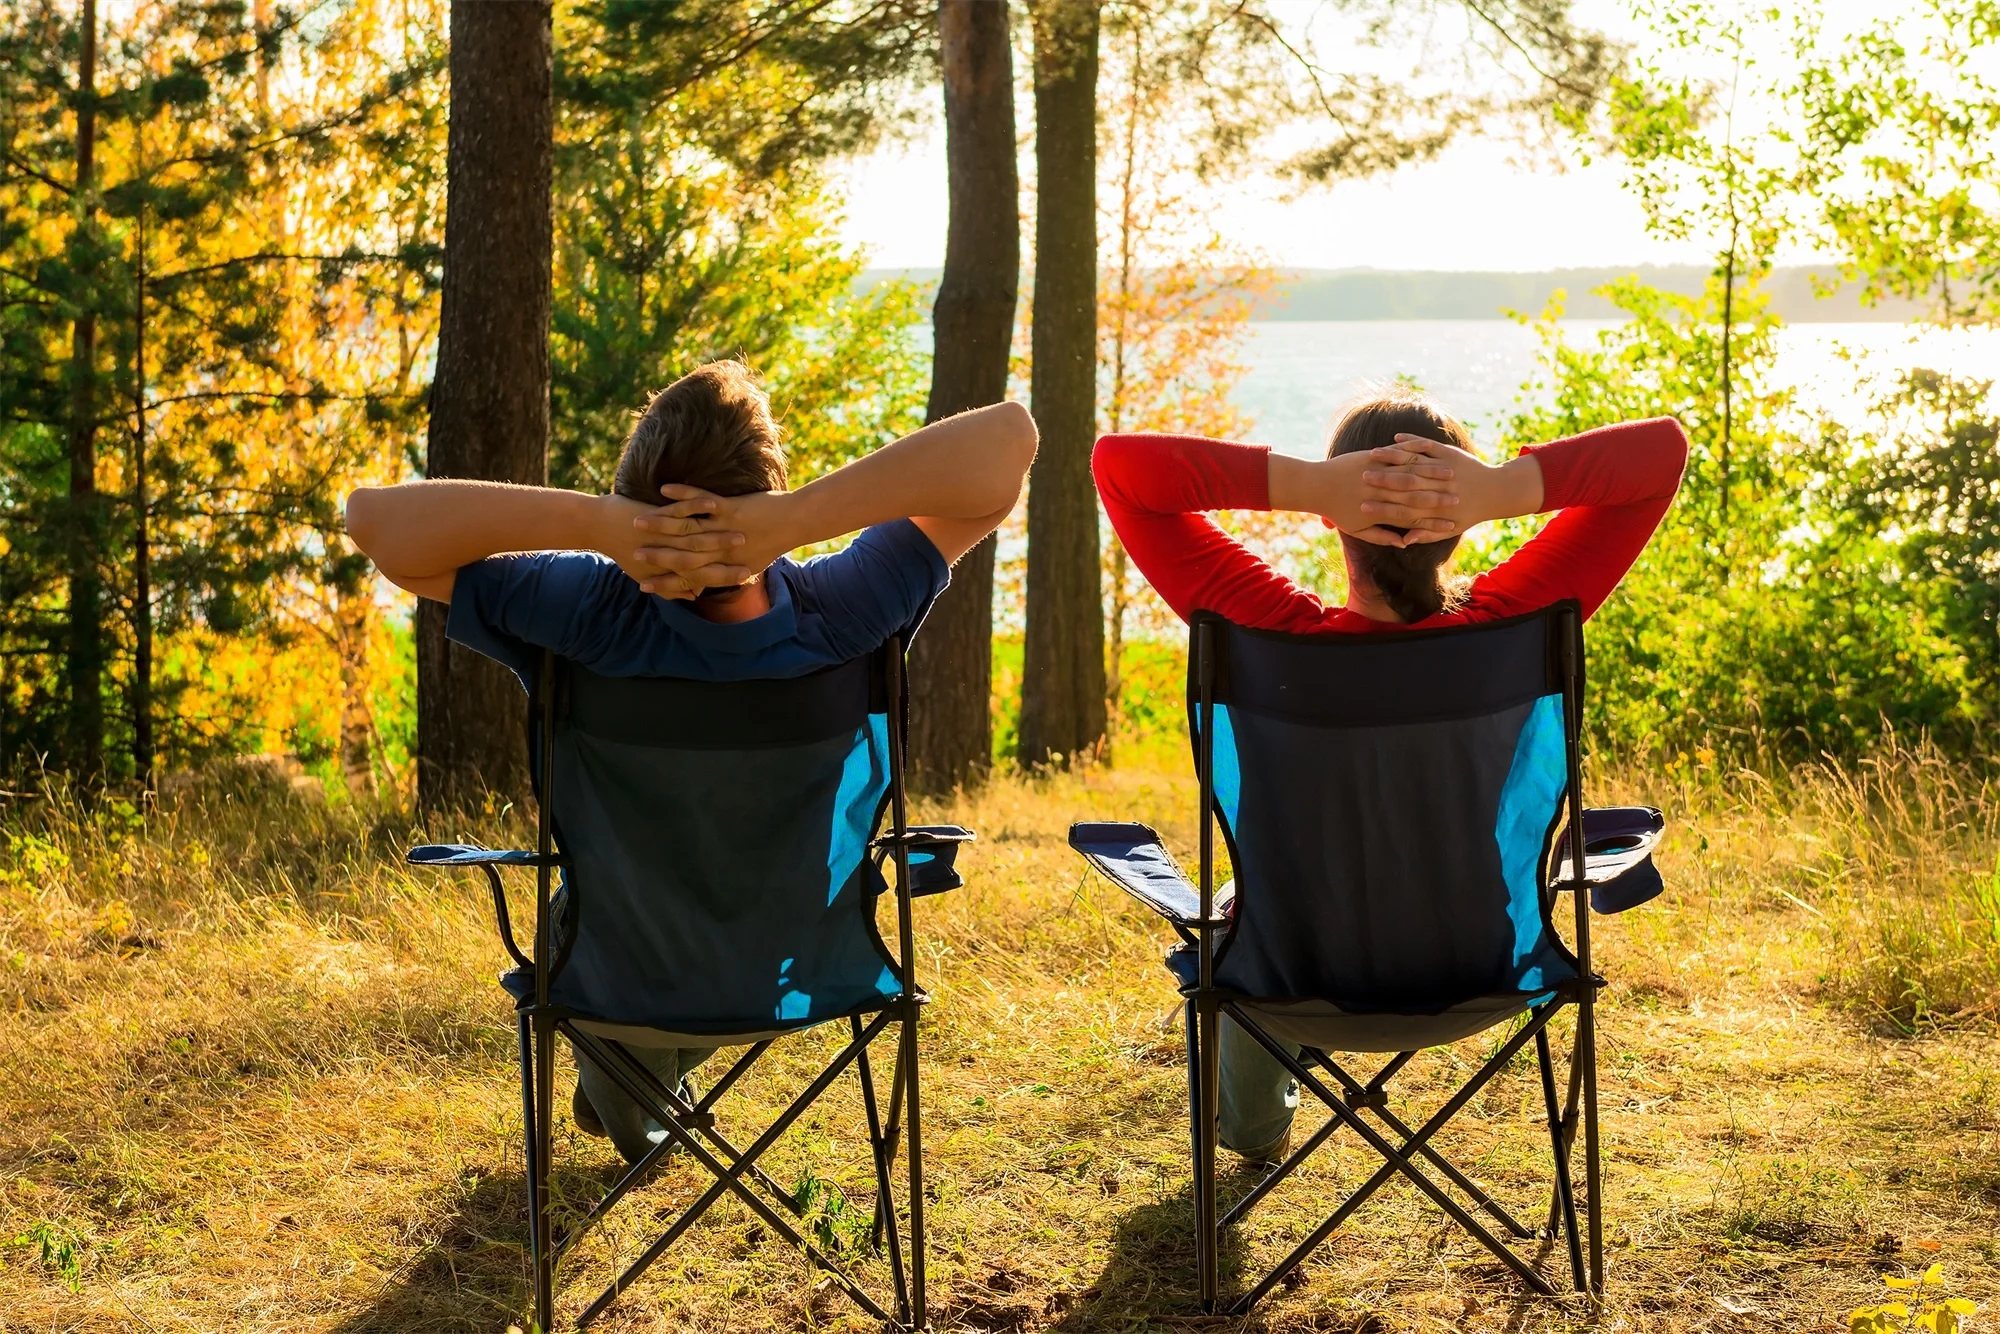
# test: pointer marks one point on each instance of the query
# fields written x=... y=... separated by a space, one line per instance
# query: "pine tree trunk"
x=951 y=662
x=353 y=615
x=1062 y=687
x=490 y=401
x=85 y=665
x=142 y=526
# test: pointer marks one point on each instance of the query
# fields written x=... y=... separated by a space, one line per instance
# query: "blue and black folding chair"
x=1391 y=806
x=721 y=867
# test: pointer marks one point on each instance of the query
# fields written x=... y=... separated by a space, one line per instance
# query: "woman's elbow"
x=1675 y=447
x=1109 y=459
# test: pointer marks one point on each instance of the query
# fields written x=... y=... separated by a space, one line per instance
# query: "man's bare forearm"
x=434 y=527
x=965 y=467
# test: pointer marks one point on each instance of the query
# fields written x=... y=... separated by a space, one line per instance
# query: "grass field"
x=254 y=1075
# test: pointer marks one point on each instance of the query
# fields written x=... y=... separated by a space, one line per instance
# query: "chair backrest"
x=1389 y=803
x=715 y=839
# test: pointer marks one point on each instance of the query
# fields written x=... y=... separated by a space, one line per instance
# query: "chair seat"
x=1326 y=1026
x=519 y=983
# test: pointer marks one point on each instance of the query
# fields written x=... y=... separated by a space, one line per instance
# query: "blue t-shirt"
x=826 y=610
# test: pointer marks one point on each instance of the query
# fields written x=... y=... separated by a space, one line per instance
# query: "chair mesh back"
x=716 y=837
x=1389 y=802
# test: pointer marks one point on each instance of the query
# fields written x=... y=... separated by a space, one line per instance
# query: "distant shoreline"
x=1383 y=294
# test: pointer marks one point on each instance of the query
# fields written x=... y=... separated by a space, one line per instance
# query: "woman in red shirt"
x=1400 y=483
x=1393 y=461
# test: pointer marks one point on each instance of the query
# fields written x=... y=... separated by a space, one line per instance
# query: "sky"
x=1472 y=208
x=1483 y=204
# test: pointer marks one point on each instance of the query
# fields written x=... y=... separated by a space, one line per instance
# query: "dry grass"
x=255 y=1076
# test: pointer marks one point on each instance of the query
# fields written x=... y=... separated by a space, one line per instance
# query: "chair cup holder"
x=1618 y=843
x=933 y=855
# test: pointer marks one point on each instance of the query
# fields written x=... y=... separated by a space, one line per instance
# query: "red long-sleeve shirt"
x=1613 y=486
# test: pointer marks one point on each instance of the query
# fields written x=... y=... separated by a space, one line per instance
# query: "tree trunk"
x=1062 y=687
x=142 y=528
x=85 y=665
x=972 y=322
x=490 y=400
x=353 y=617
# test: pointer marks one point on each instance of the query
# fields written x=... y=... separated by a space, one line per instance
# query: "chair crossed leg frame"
x=1354 y=1096
x=691 y=1126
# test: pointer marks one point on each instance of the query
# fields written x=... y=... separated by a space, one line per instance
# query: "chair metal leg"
x=545 y=1131
x=1560 y=1157
x=632 y=1077
x=1586 y=1034
x=1371 y=1097
x=1277 y=1175
x=1396 y=1161
x=1572 y=1123
x=885 y=1200
x=535 y=1145
x=892 y=1132
x=1205 y=1054
x=914 y=1138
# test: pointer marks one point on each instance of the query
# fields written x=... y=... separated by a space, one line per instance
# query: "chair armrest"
x=1131 y=856
x=933 y=857
x=466 y=854
x=1618 y=843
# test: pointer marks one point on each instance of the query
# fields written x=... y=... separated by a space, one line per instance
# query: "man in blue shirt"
x=699 y=586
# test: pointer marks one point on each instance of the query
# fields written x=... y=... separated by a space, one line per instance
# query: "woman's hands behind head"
x=1394 y=496
x=1485 y=491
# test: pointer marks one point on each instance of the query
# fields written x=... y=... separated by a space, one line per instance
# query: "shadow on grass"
x=472 y=1275
x=1151 y=1272
x=1151 y=1278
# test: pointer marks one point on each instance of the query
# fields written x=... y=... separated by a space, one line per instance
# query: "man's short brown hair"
x=711 y=428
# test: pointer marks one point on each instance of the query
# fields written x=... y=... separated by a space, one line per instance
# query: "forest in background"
x=224 y=251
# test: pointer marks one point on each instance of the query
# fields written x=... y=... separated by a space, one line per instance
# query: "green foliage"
x=1899 y=126
x=239 y=317
x=59 y=1248
x=1914 y=1304
x=287 y=173
x=692 y=223
x=1927 y=487
x=1775 y=615
x=834 y=1224
x=1787 y=1201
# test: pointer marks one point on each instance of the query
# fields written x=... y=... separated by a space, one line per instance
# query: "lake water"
x=1302 y=372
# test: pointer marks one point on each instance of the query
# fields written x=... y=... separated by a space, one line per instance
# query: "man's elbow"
x=1023 y=436
x=364 y=518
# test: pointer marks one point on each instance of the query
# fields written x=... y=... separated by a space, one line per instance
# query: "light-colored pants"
x=630 y=1128
x=1256 y=1097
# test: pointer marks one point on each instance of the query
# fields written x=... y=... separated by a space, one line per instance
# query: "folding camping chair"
x=1390 y=805
x=720 y=868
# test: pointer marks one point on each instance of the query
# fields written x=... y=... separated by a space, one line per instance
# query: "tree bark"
x=490 y=400
x=84 y=667
x=353 y=615
x=142 y=527
x=1062 y=687
x=972 y=322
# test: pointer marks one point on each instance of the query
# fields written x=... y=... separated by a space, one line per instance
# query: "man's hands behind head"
x=700 y=540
